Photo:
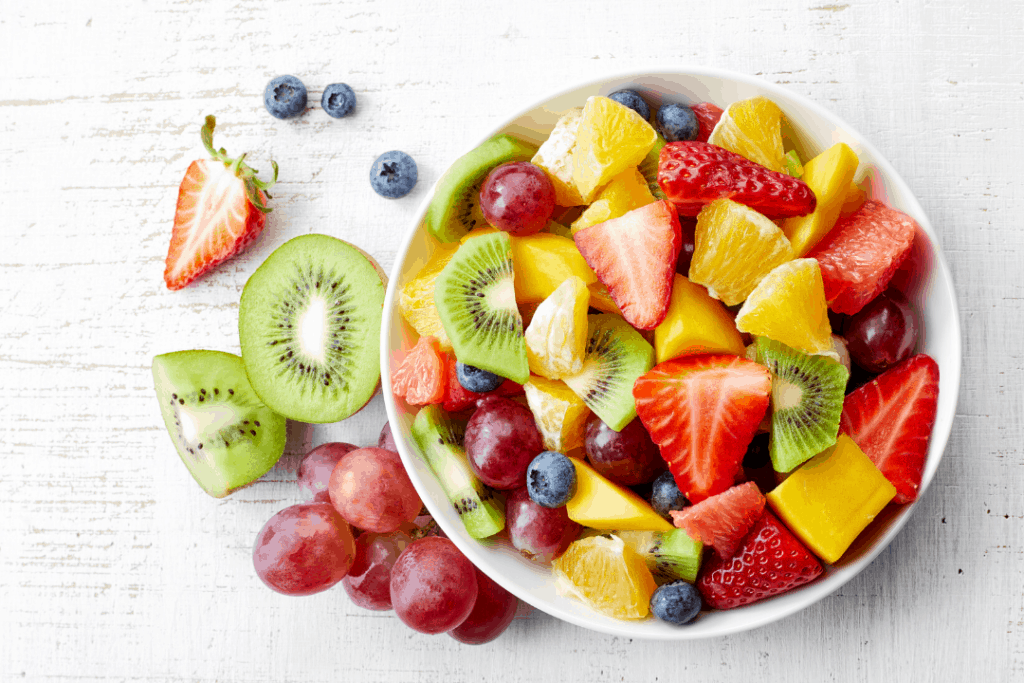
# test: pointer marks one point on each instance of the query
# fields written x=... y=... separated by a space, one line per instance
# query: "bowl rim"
x=807 y=595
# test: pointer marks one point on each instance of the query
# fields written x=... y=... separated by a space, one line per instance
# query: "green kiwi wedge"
x=455 y=208
x=476 y=301
x=223 y=432
x=309 y=326
x=440 y=441
x=807 y=402
x=649 y=168
x=616 y=356
x=670 y=555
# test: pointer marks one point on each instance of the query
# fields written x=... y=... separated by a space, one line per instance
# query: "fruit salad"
x=660 y=354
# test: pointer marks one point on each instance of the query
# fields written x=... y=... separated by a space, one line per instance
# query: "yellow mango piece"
x=416 y=300
x=556 y=340
x=602 y=504
x=560 y=414
x=789 y=306
x=602 y=300
x=829 y=500
x=753 y=129
x=695 y=323
x=855 y=196
x=829 y=175
x=623 y=193
x=555 y=157
x=611 y=138
x=542 y=262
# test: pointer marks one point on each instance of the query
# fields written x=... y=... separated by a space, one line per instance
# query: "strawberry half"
x=221 y=210
x=707 y=118
x=635 y=257
x=692 y=174
x=703 y=412
x=770 y=561
x=722 y=521
x=891 y=419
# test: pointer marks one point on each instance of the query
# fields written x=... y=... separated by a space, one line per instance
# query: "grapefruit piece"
x=722 y=521
x=421 y=377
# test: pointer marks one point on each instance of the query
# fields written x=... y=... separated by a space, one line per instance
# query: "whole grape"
x=433 y=586
x=517 y=198
x=539 y=533
x=501 y=441
x=370 y=488
x=368 y=582
x=316 y=467
x=493 y=612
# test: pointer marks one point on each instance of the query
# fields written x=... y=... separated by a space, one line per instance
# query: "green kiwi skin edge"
x=649 y=168
x=670 y=555
x=440 y=442
x=237 y=438
x=467 y=171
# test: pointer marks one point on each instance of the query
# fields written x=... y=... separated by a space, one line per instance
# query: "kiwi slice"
x=616 y=356
x=670 y=555
x=440 y=441
x=225 y=435
x=807 y=401
x=454 y=210
x=476 y=301
x=309 y=325
x=649 y=168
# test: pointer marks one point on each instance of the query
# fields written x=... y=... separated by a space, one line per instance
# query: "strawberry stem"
x=255 y=189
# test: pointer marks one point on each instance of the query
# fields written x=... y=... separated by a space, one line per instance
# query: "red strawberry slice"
x=859 y=256
x=692 y=174
x=421 y=377
x=770 y=561
x=635 y=257
x=891 y=419
x=703 y=412
x=221 y=210
x=457 y=397
x=722 y=521
x=707 y=117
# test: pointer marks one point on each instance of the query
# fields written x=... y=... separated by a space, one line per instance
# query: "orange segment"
x=735 y=247
x=555 y=157
x=610 y=139
x=556 y=340
x=789 y=306
x=753 y=129
x=607 y=575
x=560 y=414
x=623 y=193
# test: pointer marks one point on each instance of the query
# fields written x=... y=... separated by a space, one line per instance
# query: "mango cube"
x=829 y=174
x=602 y=504
x=695 y=323
x=829 y=500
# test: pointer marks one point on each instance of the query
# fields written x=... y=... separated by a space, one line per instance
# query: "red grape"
x=433 y=585
x=304 y=549
x=315 y=469
x=883 y=333
x=628 y=457
x=501 y=441
x=371 y=489
x=368 y=582
x=517 y=198
x=386 y=440
x=494 y=610
x=538 y=532
x=689 y=226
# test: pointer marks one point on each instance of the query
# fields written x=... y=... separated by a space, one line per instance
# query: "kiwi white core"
x=785 y=394
x=503 y=296
x=313 y=330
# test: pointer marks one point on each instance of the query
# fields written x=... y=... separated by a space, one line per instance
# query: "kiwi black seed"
x=309 y=326
x=616 y=356
x=224 y=434
x=441 y=442
x=452 y=213
x=476 y=303
x=807 y=402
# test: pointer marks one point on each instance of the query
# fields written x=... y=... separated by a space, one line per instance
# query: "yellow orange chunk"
x=602 y=504
x=695 y=323
x=789 y=306
x=611 y=138
x=416 y=300
x=623 y=193
x=556 y=340
x=555 y=157
x=607 y=575
x=753 y=129
x=560 y=414
x=829 y=175
x=831 y=498
x=734 y=247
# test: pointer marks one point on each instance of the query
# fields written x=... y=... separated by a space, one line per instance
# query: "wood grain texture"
x=113 y=563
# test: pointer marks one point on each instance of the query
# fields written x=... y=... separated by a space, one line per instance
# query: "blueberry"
x=338 y=100
x=476 y=380
x=632 y=99
x=393 y=174
x=285 y=97
x=666 y=496
x=677 y=122
x=677 y=603
x=551 y=479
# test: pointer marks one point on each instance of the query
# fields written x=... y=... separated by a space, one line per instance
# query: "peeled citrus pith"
x=556 y=340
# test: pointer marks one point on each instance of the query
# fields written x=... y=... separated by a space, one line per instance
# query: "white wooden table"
x=115 y=566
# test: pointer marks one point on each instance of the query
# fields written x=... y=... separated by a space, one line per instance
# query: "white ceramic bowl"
x=930 y=288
